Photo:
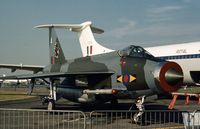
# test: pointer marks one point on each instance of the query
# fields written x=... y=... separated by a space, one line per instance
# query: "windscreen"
x=135 y=51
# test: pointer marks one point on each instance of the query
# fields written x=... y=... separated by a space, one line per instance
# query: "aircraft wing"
x=55 y=74
x=14 y=67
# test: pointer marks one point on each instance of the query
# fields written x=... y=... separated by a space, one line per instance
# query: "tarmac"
x=34 y=102
x=150 y=104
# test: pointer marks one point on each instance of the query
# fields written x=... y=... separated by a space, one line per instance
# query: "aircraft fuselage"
x=131 y=75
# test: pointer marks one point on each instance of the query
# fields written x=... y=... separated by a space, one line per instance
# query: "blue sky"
x=140 y=22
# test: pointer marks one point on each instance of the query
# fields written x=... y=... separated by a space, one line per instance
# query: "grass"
x=10 y=94
x=192 y=90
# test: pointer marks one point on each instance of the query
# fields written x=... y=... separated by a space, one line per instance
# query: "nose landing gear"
x=137 y=117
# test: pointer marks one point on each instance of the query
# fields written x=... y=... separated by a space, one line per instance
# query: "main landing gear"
x=50 y=100
x=51 y=105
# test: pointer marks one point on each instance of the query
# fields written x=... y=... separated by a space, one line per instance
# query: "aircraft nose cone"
x=173 y=76
x=169 y=76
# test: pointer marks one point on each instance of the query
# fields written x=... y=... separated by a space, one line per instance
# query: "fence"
x=57 y=119
x=41 y=119
x=124 y=120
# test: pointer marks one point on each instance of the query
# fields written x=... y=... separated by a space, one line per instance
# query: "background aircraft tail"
x=88 y=44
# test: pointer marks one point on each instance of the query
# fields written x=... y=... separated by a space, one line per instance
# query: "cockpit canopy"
x=135 y=51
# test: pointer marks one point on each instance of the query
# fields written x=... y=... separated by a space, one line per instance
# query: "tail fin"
x=55 y=51
x=89 y=46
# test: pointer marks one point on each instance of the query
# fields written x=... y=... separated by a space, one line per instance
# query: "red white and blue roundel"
x=126 y=78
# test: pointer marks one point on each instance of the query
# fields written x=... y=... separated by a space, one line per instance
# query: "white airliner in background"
x=187 y=55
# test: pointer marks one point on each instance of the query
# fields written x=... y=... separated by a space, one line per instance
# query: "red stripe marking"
x=126 y=78
x=90 y=50
x=53 y=60
x=122 y=62
x=199 y=100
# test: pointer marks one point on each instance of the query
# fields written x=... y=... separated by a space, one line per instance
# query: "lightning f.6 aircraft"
x=102 y=74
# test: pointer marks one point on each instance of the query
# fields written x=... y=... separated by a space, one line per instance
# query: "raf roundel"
x=126 y=78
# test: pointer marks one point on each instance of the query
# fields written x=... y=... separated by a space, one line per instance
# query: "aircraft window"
x=180 y=57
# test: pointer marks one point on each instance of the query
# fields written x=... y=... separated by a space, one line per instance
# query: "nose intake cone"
x=170 y=76
x=173 y=76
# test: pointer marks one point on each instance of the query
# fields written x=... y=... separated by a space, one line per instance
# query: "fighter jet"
x=128 y=73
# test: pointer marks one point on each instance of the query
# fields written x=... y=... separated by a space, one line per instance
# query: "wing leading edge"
x=55 y=74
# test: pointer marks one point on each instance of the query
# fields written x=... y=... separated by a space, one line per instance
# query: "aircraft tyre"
x=51 y=105
x=139 y=120
x=45 y=100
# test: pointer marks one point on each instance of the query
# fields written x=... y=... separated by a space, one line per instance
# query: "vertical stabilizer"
x=55 y=51
x=89 y=46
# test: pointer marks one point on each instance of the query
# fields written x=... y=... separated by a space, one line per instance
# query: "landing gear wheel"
x=137 y=118
x=51 y=105
x=45 y=100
